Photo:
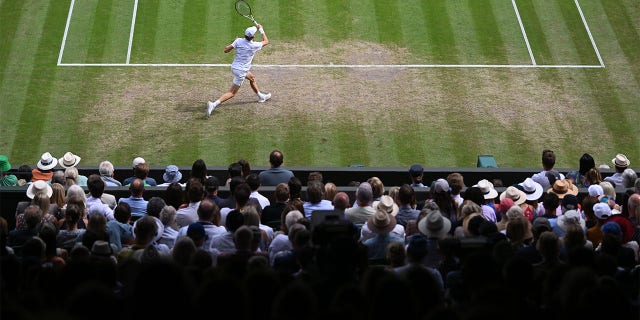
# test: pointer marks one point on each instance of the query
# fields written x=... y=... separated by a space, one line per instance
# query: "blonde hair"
x=58 y=195
x=71 y=176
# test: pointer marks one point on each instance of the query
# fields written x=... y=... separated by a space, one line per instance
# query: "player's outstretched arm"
x=265 y=39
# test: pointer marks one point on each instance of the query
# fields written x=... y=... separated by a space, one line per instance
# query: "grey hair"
x=106 y=168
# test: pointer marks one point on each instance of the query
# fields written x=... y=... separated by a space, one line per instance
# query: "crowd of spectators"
x=468 y=251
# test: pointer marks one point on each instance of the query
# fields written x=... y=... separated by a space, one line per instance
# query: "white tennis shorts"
x=238 y=76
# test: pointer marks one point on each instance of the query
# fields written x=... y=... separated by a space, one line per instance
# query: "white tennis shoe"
x=265 y=97
x=210 y=108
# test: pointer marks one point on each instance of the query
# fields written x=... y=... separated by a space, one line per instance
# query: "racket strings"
x=243 y=8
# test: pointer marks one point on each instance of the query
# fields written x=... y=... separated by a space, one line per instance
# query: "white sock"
x=260 y=95
x=216 y=103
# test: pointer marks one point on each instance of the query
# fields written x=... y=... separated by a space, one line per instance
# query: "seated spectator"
x=43 y=168
x=119 y=229
x=70 y=160
x=417 y=250
x=171 y=174
x=140 y=171
x=142 y=249
x=170 y=231
x=107 y=170
x=275 y=174
x=362 y=211
x=5 y=178
x=136 y=200
x=315 y=196
x=381 y=224
x=621 y=163
x=272 y=213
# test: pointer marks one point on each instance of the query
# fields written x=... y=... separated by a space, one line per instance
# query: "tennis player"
x=246 y=48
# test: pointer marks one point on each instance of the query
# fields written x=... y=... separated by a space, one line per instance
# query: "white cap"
x=137 y=161
x=251 y=31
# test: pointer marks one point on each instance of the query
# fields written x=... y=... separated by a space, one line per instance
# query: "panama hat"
x=37 y=187
x=69 y=160
x=381 y=222
x=434 y=225
x=387 y=204
x=487 y=189
x=562 y=188
x=518 y=196
x=532 y=189
x=47 y=162
x=621 y=160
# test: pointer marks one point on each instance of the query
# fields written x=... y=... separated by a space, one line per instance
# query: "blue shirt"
x=377 y=246
x=138 y=206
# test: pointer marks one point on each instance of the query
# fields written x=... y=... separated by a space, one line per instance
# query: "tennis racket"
x=244 y=10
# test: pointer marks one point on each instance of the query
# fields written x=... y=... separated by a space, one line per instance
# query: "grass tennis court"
x=378 y=82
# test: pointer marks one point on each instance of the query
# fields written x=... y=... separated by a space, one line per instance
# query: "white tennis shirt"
x=245 y=50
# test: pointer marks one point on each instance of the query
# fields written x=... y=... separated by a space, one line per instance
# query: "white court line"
x=524 y=33
x=66 y=30
x=593 y=42
x=133 y=26
x=347 y=66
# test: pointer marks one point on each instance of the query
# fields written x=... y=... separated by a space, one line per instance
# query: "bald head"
x=340 y=201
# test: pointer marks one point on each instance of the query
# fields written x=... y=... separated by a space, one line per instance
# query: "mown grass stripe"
x=35 y=110
x=144 y=38
x=10 y=15
x=193 y=42
x=492 y=47
x=290 y=19
x=626 y=33
x=388 y=21
x=98 y=31
x=339 y=19
x=439 y=35
x=168 y=38
x=578 y=34
x=535 y=31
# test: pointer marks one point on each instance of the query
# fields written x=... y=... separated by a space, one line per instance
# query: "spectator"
x=254 y=183
x=406 y=213
x=456 y=182
x=107 y=171
x=70 y=160
x=362 y=211
x=548 y=162
x=387 y=205
x=377 y=189
x=272 y=213
x=629 y=177
x=579 y=177
x=5 y=178
x=341 y=201
x=209 y=217
x=70 y=176
x=174 y=195
x=199 y=171
x=136 y=200
x=621 y=163
x=246 y=167
x=95 y=204
x=211 y=188
x=43 y=168
x=140 y=171
x=59 y=177
x=19 y=236
x=330 y=190
x=171 y=174
x=315 y=196
x=142 y=249
x=417 y=250
x=416 y=173
x=275 y=174
x=489 y=195
x=188 y=214
x=170 y=231
x=67 y=236
x=381 y=224
x=119 y=229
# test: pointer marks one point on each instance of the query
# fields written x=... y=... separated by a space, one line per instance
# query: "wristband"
x=261 y=31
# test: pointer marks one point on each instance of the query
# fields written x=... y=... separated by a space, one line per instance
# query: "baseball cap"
x=137 y=160
x=416 y=170
x=251 y=31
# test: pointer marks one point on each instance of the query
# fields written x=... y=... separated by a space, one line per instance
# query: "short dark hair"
x=122 y=212
x=235 y=169
x=315 y=191
x=548 y=158
x=405 y=194
x=253 y=181
x=241 y=194
x=95 y=185
x=211 y=184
